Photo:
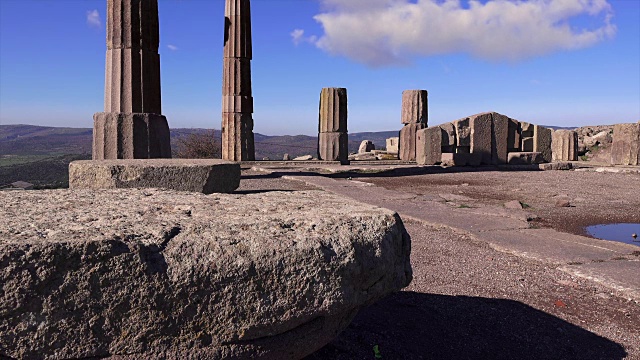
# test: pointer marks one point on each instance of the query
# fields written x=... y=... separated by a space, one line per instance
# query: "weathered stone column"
x=564 y=145
x=333 y=138
x=414 y=117
x=237 y=99
x=625 y=149
x=131 y=126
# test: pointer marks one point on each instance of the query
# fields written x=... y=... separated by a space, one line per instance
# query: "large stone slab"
x=407 y=146
x=205 y=176
x=156 y=274
x=448 y=137
x=481 y=142
x=463 y=132
x=415 y=107
x=625 y=149
x=542 y=138
x=428 y=145
x=499 y=138
x=564 y=145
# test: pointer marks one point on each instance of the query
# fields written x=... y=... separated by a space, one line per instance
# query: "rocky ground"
x=469 y=301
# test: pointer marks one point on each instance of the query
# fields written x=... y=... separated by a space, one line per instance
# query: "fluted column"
x=237 y=99
x=333 y=139
x=131 y=125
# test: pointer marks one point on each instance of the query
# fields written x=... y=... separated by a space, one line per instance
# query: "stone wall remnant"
x=429 y=145
x=542 y=137
x=564 y=145
x=392 y=145
x=131 y=125
x=366 y=146
x=625 y=149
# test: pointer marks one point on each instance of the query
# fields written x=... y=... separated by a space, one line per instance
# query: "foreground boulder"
x=147 y=273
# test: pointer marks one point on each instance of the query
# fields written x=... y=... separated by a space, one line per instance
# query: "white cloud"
x=93 y=18
x=297 y=36
x=172 y=47
x=388 y=32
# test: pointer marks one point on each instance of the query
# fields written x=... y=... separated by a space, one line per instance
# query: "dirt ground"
x=468 y=301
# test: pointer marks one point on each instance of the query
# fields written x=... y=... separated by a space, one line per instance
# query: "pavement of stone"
x=611 y=264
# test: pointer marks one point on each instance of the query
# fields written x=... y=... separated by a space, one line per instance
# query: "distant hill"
x=30 y=140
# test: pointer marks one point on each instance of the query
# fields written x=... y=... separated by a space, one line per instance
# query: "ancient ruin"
x=564 y=144
x=237 y=99
x=333 y=139
x=131 y=126
x=625 y=149
x=414 y=117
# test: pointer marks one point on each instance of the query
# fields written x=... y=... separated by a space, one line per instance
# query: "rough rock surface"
x=196 y=175
x=147 y=273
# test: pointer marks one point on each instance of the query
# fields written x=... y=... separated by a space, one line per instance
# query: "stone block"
x=130 y=136
x=625 y=149
x=525 y=158
x=333 y=110
x=448 y=137
x=158 y=274
x=463 y=132
x=514 y=140
x=429 y=145
x=333 y=146
x=237 y=137
x=564 y=145
x=415 y=107
x=203 y=176
x=392 y=145
x=499 y=138
x=366 y=146
x=526 y=129
x=527 y=144
x=542 y=137
x=407 y=145
x=453 y=159
x=481 y=136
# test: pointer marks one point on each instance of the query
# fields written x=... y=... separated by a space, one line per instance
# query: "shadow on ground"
x=410 y=325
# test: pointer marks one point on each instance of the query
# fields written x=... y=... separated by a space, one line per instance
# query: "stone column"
x=564 y=145
x=131 y=126
x=237 y=99
x=333 y=138
x=414 y=117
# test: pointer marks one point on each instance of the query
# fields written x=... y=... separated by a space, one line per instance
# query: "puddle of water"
x=616 y=232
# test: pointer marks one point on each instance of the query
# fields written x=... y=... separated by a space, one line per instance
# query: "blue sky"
x=554 y=62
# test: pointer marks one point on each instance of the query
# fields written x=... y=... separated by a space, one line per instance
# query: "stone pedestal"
x=333 y=138
x=407 y=147
x=237 y=100
x=564 y=145
x=625 y=149
x=131 y=125
x=429 y=146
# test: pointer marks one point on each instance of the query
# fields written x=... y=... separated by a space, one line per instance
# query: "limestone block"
x=130 y=136
x=333 y=146
x=453 y=159
x=448 y=137
x=429 y=145
x=463 y=132
x=525 y=158
x=366 y=146
x=237 y=30
x=481 y=136
x=237 y=137
x=333 y=110
x=407 y=145
x=194 y=175
x=159 y=274
x=236 y=77
x=499 y=138
x=514 y=140
x=392 y=145
x=415 y=107
x=542 y=141
x=625 y=149
x=564 y=145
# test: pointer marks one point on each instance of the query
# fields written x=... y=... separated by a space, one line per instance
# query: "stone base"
x=157 y=274
x=204 y=176
x=333 y=146
x=524 y=158
x=130 y=136
x=407 y=145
